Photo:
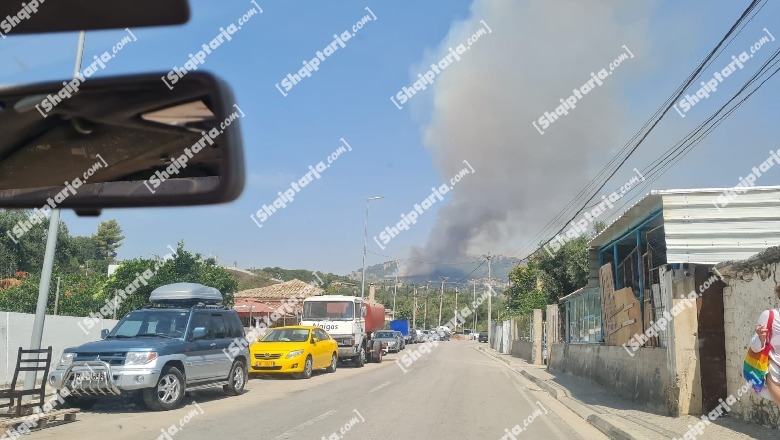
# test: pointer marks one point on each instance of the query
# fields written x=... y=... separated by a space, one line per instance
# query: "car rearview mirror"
x=39 y=16
x=128 y=141
x=314 y=340
x=104 y=333
x=198 y=333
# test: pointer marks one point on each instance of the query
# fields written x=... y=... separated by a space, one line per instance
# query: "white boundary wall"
x=60 y=332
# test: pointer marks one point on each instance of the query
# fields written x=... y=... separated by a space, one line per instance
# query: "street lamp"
x=365 y=244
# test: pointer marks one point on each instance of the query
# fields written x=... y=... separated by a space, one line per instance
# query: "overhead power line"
x=656 y=118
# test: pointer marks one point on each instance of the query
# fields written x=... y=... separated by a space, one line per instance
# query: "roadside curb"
x=612 y=426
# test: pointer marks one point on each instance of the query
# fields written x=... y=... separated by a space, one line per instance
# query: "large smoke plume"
x=482 y=108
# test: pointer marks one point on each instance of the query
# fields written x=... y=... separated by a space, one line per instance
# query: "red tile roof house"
x=286 y=299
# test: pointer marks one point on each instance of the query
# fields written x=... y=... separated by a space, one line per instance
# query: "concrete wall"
x=749 y=291
x=641 y=379
x=60 y=332
x=522 y=350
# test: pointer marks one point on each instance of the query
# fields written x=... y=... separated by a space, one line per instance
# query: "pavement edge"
x=611 y=425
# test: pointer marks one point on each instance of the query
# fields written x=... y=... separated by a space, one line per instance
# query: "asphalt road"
x=454 y=392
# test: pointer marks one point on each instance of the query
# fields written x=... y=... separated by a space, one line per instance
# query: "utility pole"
x=395 y=287
x=425 y=317
x=414 y=308
x=490 y=303
x=456 y=309
x=476 y=308
x=441 y=298
x=48 y=259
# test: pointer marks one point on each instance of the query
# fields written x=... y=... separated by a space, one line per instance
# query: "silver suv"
x=158 y=352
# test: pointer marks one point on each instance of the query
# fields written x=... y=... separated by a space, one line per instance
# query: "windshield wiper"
x=158 y=335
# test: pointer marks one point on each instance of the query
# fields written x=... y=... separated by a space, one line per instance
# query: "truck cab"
x=351 y=321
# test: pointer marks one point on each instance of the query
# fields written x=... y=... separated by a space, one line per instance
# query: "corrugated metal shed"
x=698 y=231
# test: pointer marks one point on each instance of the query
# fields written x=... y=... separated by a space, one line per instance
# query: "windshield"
x=162 y=323
x=328 y=310
x=287 y=335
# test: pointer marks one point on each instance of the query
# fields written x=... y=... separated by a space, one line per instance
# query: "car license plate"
x=264 y=364
x=91 y=376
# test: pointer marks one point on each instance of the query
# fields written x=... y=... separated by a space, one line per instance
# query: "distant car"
x=390 y=338
x=444 y=333
x=483 y=336
x=296 y=350
x=417 y=336
x=401 y=339
x=433 y=335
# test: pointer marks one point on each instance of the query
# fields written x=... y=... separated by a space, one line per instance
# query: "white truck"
x=351 y=321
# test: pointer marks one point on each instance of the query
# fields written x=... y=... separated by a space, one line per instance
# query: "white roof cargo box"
x=185 y=293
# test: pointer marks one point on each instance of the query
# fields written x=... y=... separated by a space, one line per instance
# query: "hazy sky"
x=478 y=109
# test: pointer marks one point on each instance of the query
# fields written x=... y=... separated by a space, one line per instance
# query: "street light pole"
x=365 y=244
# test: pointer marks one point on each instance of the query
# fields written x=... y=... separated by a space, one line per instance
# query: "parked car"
x=483 y=336
x=401 y=338
x=417 y=335
x=297 y=350
x=390 y=338
x=158 y=352
x=444 y=333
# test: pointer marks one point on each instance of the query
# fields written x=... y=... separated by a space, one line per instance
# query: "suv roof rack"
x=186 y=295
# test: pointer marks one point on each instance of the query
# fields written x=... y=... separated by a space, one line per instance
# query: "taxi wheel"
x=333 y=361
x=307 y=369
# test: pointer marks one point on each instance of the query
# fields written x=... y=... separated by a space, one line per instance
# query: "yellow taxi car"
x=296 y=350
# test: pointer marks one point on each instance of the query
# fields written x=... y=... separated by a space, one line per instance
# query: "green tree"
x=108 y=239
x=524 y=294
x=184 y=267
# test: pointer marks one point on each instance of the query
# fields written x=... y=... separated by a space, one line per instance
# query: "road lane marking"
x=305 y=424
x=379 y=387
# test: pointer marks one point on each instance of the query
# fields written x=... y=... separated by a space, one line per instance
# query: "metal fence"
x=525 y=328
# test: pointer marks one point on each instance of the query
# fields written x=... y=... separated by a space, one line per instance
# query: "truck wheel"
x=168 y=393
x=378 y=352
x=360 y=359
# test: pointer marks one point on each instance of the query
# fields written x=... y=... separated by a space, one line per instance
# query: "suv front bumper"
x=113 y=380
